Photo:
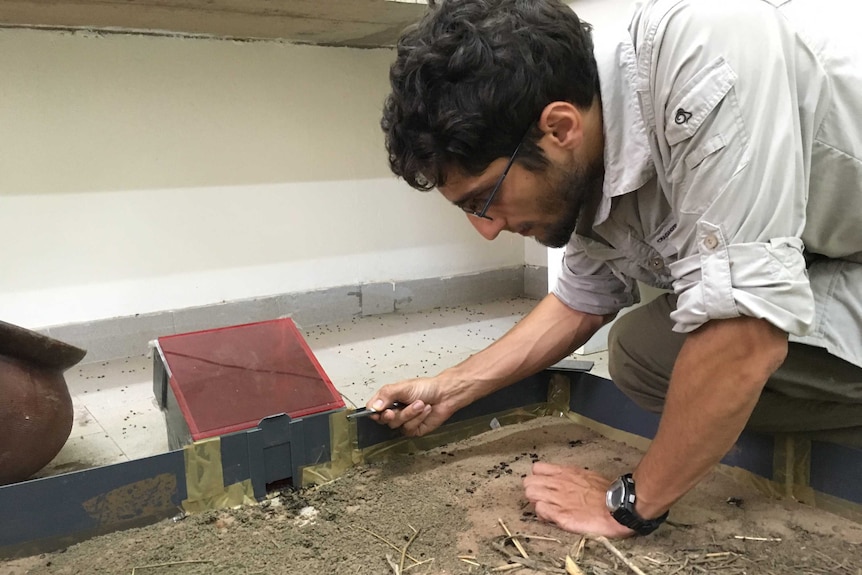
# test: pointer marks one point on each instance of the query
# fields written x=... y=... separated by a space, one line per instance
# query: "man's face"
x=544 y=205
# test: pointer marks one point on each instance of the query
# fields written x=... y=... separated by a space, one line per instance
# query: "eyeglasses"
x=481 y=213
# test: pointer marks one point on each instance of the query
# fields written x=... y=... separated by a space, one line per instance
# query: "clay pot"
x=35 y=405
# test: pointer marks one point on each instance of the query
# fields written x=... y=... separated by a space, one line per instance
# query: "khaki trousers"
x=813 y=393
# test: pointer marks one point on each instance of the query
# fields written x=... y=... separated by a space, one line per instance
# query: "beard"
x=570 y=189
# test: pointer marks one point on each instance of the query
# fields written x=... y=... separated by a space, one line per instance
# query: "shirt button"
x=711 y=242
x=656 y=263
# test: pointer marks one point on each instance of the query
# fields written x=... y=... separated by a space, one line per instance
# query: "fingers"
x=384 y=396
x=414 y=420
x=549 y=487
x=417 y=413
x=563 y=475
x=404 y=392
x=425 y=411
x=550 y=512
x=572 y=498
x=399 y=417
x=541 y=468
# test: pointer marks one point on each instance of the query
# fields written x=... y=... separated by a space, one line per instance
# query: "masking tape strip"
x=559 y=391
x=792 y=467
x=802 y=493
x=344 y=446
x=559 y=394
x=346 y=453
x=342 y=434
x=838 y=506
x=453 y=432
x=205 y=486
x=632 y=439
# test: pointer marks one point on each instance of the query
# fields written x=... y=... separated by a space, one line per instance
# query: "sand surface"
x=446 y=507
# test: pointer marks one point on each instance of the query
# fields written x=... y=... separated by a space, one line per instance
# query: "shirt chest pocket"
x=688 y=108
x=702 y=119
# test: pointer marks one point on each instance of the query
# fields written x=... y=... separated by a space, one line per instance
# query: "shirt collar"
x=627 y=160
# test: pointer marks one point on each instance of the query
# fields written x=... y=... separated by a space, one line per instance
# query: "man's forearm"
x=716 y=382
x=546 y=335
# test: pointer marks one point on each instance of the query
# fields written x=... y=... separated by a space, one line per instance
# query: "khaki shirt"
x=733 y=169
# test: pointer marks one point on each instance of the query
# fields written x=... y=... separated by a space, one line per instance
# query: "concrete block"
x=403 y=296
x=115 y=337
x=225 y=314
x=378 y=298
x=418 y=295
x=536 y=281
x=129 y=336
x=322 y=306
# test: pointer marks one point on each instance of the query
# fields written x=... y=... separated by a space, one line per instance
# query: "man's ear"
x=562 y=124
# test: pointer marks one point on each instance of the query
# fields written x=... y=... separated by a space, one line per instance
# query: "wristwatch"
x=620 y=500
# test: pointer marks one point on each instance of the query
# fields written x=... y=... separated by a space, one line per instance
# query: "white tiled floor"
x=117 y=419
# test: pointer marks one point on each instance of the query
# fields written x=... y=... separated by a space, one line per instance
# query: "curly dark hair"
x=472 y=78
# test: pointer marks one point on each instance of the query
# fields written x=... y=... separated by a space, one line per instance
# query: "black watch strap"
x=626 y=515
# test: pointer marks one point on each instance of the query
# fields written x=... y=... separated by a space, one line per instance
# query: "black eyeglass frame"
x=481 y=213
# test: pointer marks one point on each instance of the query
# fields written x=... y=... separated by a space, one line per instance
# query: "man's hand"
x=548 y=333
x=573 y=499
x=429 y=403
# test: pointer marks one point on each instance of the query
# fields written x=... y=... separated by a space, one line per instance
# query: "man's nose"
x=489 y=229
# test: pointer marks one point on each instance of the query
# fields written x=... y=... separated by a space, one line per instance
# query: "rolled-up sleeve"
x=590 y=285
x=730 y=137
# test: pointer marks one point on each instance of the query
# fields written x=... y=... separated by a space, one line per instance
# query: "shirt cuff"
x=767 y=280
x=596 y=294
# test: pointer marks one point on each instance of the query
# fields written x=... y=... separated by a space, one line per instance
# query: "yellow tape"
x=792 y=466
x=452 y=433
x=345 y=450
x=205 y=486
x=342 y=435
x=636 y=441
x=792 y=475
x=767 y=486
x=838 y=506
x=559 y=391
x=559 y=394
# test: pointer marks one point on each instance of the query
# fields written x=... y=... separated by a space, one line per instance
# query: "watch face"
x=614 y=496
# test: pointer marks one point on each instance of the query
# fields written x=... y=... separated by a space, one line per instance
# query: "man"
x=715 y=151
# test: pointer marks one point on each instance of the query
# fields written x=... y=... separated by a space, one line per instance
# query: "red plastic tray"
x=230 y=378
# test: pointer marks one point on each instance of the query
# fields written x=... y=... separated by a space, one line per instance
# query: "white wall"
x=608 y=17
x=140 y=174
x=604 y=15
